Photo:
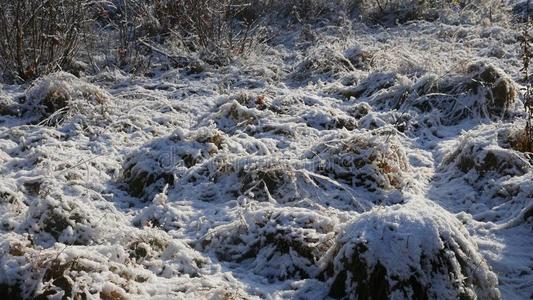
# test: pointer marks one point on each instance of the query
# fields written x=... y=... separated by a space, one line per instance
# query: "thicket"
x=42 y=36
x=38 y=37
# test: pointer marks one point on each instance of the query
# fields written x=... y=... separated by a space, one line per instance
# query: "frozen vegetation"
x=347 y=152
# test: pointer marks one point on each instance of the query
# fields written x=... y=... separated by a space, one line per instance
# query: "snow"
x=425 y=251
x=264 y=178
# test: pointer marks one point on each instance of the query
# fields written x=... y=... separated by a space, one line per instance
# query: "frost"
x=336 y=159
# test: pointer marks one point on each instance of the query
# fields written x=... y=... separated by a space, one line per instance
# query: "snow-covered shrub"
x=373 y=161
x=149 y=169
x=112 y=271
x=497 y=87
x=14 y=248
x=290 y=183
x=495 y=179
x=308 y=10
x=59 y=220
x=300 y=11
x=153 y=250
x=275 y=243
x=219 y=176
x=321 y=63
x=124 y=34
x=327 y=118
x=412 y=251
x=486 y=159
x=233 y=115
x=258 y=101
x=359 y=57
x=402 y=10
x=210 y=180
x=159 y=215
x=74 y=274
x=483 y=92
x=521 y=12
x=367 y=87
x=61 y=95
x=142 y=249
x=272 y=179
x=359 y=110
x=520 y=141
x=9 y=194
x=7 y=106
x=145 y=176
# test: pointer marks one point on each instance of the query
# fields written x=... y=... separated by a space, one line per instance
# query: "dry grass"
x=373 y=162
x=521 y=141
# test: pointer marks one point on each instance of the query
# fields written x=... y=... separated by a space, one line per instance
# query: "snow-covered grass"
x=338 y=159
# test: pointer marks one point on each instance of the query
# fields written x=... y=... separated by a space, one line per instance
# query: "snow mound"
x=149 y=169
x=486 y=158
x=482 y=91
x=61 y=95
x=100 y=272
x=373 y=161
x=498 y=178
x=414 y=251
x=485 y=91
x=275 y=179
x=274 y=243
x=233 y=115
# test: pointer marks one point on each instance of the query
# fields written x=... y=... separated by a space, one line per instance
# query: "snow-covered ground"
x=344 y=160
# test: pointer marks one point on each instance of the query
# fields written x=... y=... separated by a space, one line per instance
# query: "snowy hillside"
x=340 y=158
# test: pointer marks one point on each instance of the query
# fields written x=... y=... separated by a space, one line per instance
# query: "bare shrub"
x=37 y=37
x=522 y=140
x=302 y=11
x=138 y=30
x=209 y=25
x=126 y=24
x=401 y=11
